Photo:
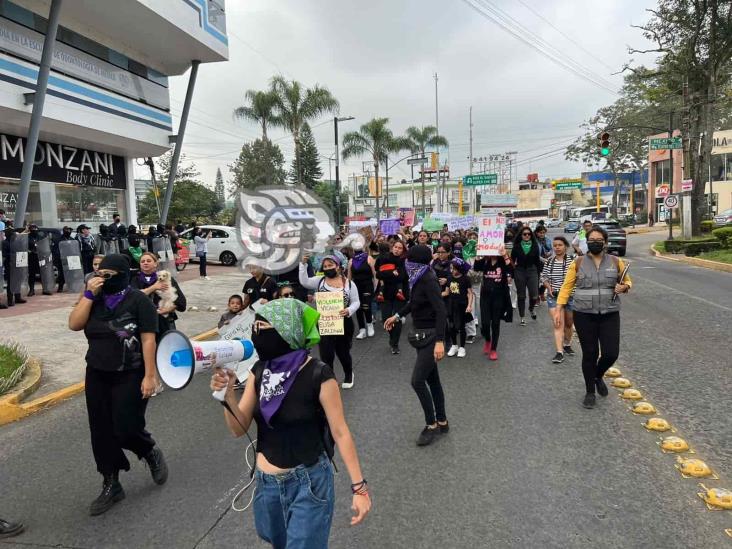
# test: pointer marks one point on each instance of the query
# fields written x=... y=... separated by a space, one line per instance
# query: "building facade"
x=107 y=102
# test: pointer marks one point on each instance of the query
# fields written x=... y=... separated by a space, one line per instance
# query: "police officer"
x=34 y=268
x=88 y=247
x=56 y=252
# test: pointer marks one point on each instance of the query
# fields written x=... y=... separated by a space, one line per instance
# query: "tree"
x=295 y=106
x=260 y=109
x=310 y=171
x=259 y=163
x=326 y=191
x=419 y=140
x=190 y=200
x=219 y=188
x=186 y=170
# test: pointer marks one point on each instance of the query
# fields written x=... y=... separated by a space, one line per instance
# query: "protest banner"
x=406 y=217
x=389 y=226
x=329 y=305
x=491 y=232
x=240 y=327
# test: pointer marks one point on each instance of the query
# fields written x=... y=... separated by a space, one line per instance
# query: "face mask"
x=269 y=344
x=330 y=273
x=435 y=242
x=595 y=247
x=116 y=284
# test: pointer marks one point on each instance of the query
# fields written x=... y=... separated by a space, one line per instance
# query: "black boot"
x=112 y=492
x=11 y=299
x=31 y=292
x=158 y=466
x=60 y=289
x=19 y=299
x=46 y=293
x=8 y=529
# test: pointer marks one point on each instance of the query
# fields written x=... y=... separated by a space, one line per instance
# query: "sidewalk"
x=41 y=324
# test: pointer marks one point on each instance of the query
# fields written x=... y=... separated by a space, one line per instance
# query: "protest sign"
x=240 y=327
x=329 y=305
x=406 y=217
x=491 y=232
x=464 y=222
x=389 y=226
x=431 y=224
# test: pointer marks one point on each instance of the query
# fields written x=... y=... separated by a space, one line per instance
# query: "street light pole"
x=437 y=127
x=670 y=211
x=337 y=165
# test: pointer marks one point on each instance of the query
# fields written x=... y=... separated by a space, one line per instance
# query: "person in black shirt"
x=392 y=275
x=429 y=318
x=259 y=289
x=361 y=272
x=459 y=293
x=34 y=268
x=120 y=324
x=495 y=298
x=295 y=402
x=56 y=253
x=527 y=265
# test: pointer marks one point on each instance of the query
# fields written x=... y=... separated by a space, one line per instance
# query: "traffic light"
x=604 y=138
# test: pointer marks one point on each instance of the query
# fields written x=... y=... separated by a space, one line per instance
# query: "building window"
x=88 y=204
x=662 y=171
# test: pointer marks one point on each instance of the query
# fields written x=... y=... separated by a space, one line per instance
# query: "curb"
x=705 y=263
x=11 y=407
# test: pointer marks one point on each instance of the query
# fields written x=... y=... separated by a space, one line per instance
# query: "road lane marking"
x=668 y=288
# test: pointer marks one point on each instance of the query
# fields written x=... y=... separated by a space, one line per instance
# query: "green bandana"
x=526 y=246
x=469 y=251
x=295 y=321
x=136 y=253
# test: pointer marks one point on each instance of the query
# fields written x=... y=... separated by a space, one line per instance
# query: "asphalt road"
x=524 y=465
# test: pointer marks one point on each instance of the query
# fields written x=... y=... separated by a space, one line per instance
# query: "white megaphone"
x=178 y=358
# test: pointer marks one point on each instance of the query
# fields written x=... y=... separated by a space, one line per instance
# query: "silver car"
x=724 y=218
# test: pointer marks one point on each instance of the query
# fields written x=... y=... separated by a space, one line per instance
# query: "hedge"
x=724 y=236
x=706 y=226
x=678 y=246
x=696 y=248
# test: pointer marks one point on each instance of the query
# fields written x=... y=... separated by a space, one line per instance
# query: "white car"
x=553 y=222
x=224 y=245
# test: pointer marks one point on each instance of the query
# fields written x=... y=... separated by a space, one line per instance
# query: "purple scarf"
x=278 y=376
x=112 y=301
x=143 y=278
x=415 y=271
x=359 y=259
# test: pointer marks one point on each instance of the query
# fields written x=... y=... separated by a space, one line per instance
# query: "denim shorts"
x=294 y=510
x=552 y=303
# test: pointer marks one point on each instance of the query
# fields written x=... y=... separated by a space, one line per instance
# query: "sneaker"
x=601 y=387
x=361 y=334
x=112 y=492
x=444 y=428
x=558 y=358
x=461 y=352
x=487 y=347
x=395 y=350
x=493 y=355
x=9 y=529
x=532 y=312
x=470 y=339
x=370 y=330
x=589 y=401
x=427 y=436
x=453 y=350
x=205 y=278
x=158 y=466
x=568 y=350
x=523 y=322
x=348 y=384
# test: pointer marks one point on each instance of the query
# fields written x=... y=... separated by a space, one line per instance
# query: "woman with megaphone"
x=296 y=404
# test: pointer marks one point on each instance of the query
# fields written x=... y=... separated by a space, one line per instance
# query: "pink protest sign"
x=491 y=231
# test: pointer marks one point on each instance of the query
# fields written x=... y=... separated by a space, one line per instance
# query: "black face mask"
x=269 y=344
x=116 y=284
x=595 y=248
x=330 y=273
x=134 y=242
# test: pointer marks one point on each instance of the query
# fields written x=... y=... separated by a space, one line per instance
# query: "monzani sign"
x=63 y=164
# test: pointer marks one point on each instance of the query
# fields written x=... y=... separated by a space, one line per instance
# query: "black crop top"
x=296 y=435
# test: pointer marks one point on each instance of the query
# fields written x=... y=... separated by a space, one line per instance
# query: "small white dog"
x=167 y=297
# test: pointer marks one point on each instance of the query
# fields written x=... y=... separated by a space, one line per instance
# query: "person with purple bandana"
x=296 y=404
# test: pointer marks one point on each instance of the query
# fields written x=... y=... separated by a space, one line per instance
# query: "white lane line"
x=667 y=288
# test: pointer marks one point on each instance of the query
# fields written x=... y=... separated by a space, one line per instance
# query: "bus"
x=591 y=212
x=530 y=216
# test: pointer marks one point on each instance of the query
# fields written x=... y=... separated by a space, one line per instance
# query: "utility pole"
x=337 y=164
x=670 y=211
x=437 y=126
x=474 y=192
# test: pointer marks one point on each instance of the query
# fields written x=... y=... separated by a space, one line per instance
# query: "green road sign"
x=665 y=143
x=567 y=184
x=480 y=179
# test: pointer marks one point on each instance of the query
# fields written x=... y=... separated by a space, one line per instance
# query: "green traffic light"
x=605 y=151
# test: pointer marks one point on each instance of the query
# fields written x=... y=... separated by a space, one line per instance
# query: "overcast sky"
x=378 y=59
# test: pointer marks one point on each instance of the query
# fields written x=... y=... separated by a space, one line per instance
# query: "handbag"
x=421 y=338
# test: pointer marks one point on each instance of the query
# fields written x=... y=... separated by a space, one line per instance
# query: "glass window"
x=9 y=200
x=662 y=171
x=88 y=204
x=217 y=233
x=717 y=167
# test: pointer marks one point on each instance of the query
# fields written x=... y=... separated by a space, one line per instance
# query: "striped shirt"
x=554 y=272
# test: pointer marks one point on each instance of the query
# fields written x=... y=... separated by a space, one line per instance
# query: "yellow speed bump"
x=694 y=468
x=674 y=444
x=716 y=498
x=644 y=408
x=613 y=372
x=621 y=383
x=657 y=424
x=631 y=394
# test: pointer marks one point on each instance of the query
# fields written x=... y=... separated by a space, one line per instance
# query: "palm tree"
x=420 y=139
x=295 y=105
x=260 y=109
x=374 y=138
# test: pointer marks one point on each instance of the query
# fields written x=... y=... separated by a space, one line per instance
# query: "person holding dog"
x=156 y=285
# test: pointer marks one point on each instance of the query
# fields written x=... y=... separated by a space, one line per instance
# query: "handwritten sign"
x=389 y=226
x=464 y=223
x=240 y=327
x=406 y=217
x=491 y=232
x=329 y=305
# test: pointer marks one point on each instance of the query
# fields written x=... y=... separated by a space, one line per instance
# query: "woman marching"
x=429 y=321
x=552 y=278
x=527 y=266
x=295 y=402
x=495 y=298
x=596 y=280
x=392 y=274
x=120 y=324
x=334 y=281
x=361 y=272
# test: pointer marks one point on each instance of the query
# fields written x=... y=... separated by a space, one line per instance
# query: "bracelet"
x=89 y=295
x=360 y=488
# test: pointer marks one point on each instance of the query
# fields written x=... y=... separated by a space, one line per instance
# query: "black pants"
x=456 y=320
x=364 y=315
x=87 y=261
x=492 y=305
x=599 y=337
x=340 y=346
x=116 y=413
x=527 y=278
x=389 y=308
x=34 y=270
x=60 y=278
x=202 y=265
x=426 y=383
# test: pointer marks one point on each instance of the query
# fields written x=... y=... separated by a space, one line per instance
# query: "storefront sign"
x=663 y=190
x=28 y=44
x=63 y=164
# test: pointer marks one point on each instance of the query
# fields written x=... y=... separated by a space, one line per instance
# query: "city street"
x=524 y=465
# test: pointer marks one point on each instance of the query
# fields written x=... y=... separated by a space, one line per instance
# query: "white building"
x=107 y=100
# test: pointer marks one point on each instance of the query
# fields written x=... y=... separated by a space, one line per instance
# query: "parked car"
x=572 y=226
x=617 y=238
x=724 y=218
x=553 y=222
x=224 y=246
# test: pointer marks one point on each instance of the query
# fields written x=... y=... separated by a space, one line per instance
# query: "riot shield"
x=45 y=263
x=70 y=252
x=123 y=244
x=161 y=246
x=18 y=263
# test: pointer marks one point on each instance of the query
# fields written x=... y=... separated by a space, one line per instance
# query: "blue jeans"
x=294 y=510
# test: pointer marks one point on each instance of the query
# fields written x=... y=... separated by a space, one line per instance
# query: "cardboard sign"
x=330 y=305
x=389 y=226
x=491 y=233
x=406 y=217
